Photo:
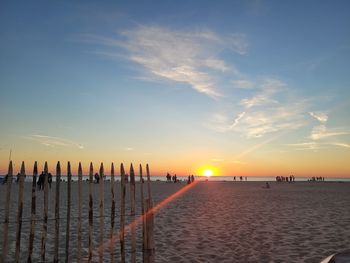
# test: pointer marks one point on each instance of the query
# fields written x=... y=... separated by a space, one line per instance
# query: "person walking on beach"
x=192 y=178
x=49 y=179
x=97 y=178
x=40 y=182
x=189 y=179
x=168 y=177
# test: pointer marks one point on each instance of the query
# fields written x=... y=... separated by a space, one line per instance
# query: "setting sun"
x=208 y=172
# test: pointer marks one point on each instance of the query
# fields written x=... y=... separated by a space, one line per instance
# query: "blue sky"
x=249 y=87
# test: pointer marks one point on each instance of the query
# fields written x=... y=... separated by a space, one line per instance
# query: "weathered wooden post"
x=57 y=212
x=7 y=210
x=91 y=212
x=150 y=252
x=101 y=206
x=144 y=239
x=149 y=184
x=112 y=211
x=33 y=214
x=69 y=181
x=19 y=212
x=46 y=207
x=122 y=213
x=132 y=214
x=141 y=190
x=80 y=178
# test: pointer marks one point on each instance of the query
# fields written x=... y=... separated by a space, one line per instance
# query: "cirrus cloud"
x=52 y=141
x=320 y=116
x=182 y=56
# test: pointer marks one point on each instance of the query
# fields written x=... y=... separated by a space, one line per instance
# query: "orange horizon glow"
x=301 y=169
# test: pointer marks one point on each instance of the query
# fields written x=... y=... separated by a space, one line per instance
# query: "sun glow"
x=208 y=172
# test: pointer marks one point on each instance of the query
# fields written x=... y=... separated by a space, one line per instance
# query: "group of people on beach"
x=190 y=179
x=170 y=178
x=97 y=178
x=240 y=178
x=317 y=178
x=40 y=183
x=41 y=180
x=290 y=179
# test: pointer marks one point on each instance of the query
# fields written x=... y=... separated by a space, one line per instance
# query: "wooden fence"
x=90 y=252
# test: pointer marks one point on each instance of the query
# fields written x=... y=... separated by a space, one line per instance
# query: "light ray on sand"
x=139 y=220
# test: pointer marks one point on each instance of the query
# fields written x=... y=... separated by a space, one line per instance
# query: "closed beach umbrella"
x=342 y=257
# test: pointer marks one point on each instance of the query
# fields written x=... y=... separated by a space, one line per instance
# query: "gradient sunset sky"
x=244 y=87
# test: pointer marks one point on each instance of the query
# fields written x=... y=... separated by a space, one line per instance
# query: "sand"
x=211 y=222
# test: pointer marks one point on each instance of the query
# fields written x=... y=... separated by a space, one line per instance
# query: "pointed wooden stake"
x=46 y=207
x=143 y=216
x=19 y=212
x=80 y=178
x=149 y=251
x=57 y=211
x=112 y=211
x=69 y=178
x=33 y=214
x=122 y=213
x=101 y=208
x=149 y=184
x=132 y=214
x=7 y=209
x=91 y=212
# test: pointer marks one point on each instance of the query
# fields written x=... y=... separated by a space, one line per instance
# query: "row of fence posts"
x=146 y=218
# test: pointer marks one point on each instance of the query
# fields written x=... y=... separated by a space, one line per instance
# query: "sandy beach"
x=211 y=222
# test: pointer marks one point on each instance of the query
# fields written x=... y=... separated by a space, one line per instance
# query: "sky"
x=245 y=88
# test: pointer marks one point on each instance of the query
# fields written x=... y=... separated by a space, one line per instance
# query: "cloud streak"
x=315 y=145
x=264 y=112
x=321 y=132
x=320 y=116
x=51 y=141
x=187 y=57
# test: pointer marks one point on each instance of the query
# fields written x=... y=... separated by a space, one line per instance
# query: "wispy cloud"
x=128 y=149
x=258 y=100
x=305 y=146
x=340 y=144
x=254 y=124
x=264 y=113
x=51 y=141
x=316 y=145
x=268 y=88
x=320 y=116
x=243 y=84
x=181 y=56
x=236 y=121
x=321 y=132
